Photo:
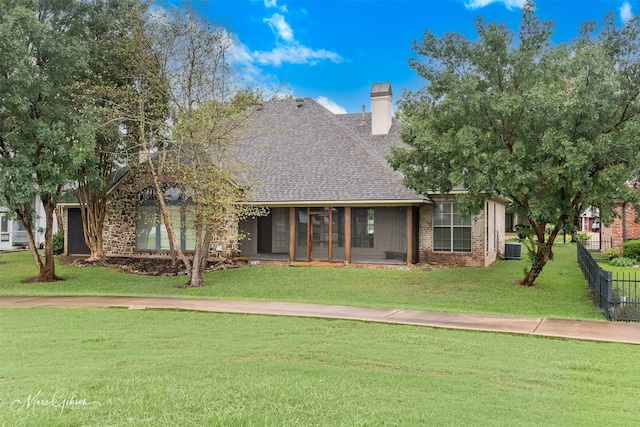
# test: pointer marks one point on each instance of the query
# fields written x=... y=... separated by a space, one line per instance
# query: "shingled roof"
x=299 y=152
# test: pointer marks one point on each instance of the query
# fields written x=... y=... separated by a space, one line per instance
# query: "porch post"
x=347 y=234
x=292 y=234
x=409 y=238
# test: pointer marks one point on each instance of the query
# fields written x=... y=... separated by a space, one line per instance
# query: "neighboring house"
x=625 y=225
x=331 y=196
x=587 y=219
x=12 y=232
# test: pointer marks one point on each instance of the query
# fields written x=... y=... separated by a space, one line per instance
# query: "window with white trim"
x=451 y=231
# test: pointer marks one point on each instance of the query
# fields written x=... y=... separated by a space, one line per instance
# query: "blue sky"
x=333 y=50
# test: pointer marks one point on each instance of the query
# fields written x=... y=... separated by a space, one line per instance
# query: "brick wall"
x=487 y=237
x=624 y=226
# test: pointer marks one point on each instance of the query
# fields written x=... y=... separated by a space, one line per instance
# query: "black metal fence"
x=598 y=245
x=616 y=294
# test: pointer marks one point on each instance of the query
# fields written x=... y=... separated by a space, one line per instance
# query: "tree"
x=117 y=48
x=554 y=128
x=207 y=112
x=44 y=136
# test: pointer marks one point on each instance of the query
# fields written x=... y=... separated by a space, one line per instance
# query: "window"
x=337 y=228
x=362 y=228
x=280 y=222
x=302 y=226
x=451 y=232
x=4 y=228
x=151 y=232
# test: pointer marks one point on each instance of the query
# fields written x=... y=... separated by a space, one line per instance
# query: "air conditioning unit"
x=512 y=251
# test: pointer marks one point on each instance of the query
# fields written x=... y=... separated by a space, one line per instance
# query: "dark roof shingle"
x=301 y=152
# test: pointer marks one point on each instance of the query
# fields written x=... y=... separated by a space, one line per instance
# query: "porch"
x=351 y=234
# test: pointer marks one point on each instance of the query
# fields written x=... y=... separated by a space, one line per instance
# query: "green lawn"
x=118 y=367
x=606 y=265
x=560 y=292
x=121 y=367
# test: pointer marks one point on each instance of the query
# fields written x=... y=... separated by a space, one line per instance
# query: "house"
x=12 y=232
x=625 y=225
x=587 y=219
x=331 y=196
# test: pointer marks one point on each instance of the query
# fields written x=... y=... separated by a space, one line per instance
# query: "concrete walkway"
x=562 y=328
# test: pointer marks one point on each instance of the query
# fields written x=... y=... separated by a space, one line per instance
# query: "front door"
x=264 y=234
x=76 y=244
x=320 y=236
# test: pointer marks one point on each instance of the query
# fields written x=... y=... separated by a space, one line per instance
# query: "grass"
x=606 y=265
x=147 y=368
x=117 y=367
x=559 y=292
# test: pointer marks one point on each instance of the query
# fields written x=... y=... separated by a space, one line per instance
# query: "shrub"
x=581 y=237
x=623 y=262
x=58 y=243
x=612 y=253
x=631 y=249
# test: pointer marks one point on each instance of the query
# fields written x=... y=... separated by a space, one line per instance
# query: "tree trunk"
x=23 y=214
x=173 y=238
x=200 y=256
x=48 y=271
x=59 y=219
x=93 y=225
x=93 y=208
x=543 y=253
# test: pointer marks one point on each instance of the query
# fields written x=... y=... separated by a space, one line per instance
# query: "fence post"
x=606 y=302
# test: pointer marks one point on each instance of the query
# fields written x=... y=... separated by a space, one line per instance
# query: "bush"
x=624 y=262
x=582 y=237
x=58 y=243
x=631 y=249
x=612 y=253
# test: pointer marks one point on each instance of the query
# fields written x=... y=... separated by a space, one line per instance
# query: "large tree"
x=120 y=55
x=43 y=132
x=552 y=127
x=208 y=109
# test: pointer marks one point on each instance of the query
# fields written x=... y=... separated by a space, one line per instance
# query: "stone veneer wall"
x=120 y=226
x=120 y=231
x=486 y=242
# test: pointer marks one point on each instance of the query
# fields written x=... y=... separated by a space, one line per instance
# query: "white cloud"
x=288 y=49
x=274 y=3
x=625 y=12
x=280 y=27
x=330 y=105
x=295 y=53
x=509 y=4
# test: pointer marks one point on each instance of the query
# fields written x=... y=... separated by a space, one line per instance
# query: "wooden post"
x=292 y=234
x=330 y=248
x=409 y=235
x=347 y=234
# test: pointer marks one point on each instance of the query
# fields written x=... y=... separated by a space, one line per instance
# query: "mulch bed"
x=159 y=266
x=151 y=266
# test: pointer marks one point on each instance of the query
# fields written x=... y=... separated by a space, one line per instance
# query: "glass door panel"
x=320 y=230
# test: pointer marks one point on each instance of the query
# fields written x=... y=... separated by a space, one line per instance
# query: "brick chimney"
x=380 y=108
